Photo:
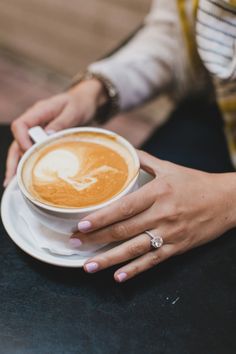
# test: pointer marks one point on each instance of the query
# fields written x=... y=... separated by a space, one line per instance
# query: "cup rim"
x=63 y=133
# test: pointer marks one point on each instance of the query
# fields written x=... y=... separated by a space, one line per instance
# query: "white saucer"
x=21 y=236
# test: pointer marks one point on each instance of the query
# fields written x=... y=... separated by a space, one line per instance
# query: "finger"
x=66 y=119
x=122 y=209
x=150 y=163
x=128 y=250
x=20 y=131
x=119 y=231
x=144 y=263
x=13 y=157
x=40 y=114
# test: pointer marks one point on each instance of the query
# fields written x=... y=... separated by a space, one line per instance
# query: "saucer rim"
x=32 y=251
x=38 y=254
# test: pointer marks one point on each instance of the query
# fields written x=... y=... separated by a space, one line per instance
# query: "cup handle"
x=37 y=134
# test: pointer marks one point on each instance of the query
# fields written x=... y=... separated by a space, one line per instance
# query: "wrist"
x=93 y=89
x=106 y=97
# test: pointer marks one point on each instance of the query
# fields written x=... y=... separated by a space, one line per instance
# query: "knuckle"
x=181 y=230
x=170 y=211
x=155 y=258
x=135 y=250
x=104 y=261
x=177 y=234
x=135 y=270
x=165 y=188
x=126 y=209
x=173 y=213
x=168 y=188
x=118 y=231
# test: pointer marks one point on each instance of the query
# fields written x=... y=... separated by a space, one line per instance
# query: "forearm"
x=146 y=65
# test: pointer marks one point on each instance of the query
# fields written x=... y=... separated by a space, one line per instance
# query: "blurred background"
x=43 y=43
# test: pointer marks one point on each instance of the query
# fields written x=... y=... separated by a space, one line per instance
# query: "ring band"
x=156 y=241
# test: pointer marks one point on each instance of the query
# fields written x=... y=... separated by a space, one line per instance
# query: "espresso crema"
x=78 y=170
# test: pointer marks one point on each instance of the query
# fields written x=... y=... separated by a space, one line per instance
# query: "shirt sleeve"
x=145 y=66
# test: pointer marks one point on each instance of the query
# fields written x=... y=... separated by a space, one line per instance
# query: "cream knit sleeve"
x=147 y=64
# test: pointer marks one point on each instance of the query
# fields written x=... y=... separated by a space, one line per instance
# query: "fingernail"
x=50 y=132
x=121 y=277
x=84 y=226
x=75 y=242
x=4 y=183
x=91 y=267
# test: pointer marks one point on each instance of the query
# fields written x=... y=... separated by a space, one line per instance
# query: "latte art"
x=79 y=170
x=55 y=163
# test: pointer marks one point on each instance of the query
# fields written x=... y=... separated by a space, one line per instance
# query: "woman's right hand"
x=74 y=107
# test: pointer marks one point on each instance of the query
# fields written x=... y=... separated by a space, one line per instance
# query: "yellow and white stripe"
x=215 y=31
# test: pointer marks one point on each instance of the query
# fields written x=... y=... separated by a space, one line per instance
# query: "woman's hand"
x=186 y=207
x=74 y=107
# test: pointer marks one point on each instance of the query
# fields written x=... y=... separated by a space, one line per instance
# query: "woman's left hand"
x=186 y=207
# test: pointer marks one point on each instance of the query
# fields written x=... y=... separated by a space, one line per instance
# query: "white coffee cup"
x=65 y=220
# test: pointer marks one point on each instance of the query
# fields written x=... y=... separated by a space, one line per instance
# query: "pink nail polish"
x=84 y=226
x=121 y=277
x=75 y=242
x=91 y=267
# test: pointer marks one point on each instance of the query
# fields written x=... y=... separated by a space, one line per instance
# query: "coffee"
x=78 y=170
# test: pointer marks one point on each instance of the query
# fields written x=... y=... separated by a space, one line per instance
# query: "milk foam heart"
x=56 y=163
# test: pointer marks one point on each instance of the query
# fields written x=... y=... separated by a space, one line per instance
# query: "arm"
x=145 y=66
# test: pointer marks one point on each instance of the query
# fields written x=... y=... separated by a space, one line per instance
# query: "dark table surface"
x=184 y=306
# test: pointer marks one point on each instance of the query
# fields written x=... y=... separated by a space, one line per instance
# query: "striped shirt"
x=216 y=37
x=216 y=43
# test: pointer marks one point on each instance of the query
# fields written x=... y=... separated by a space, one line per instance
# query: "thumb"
x=149 y=163
x=67 y=119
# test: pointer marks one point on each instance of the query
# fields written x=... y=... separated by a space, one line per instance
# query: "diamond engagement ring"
x=156 y=241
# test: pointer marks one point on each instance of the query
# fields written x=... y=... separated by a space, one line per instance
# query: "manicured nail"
x=121 y=277
x=75 y=242
x=91 y=267
x=84 y=226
